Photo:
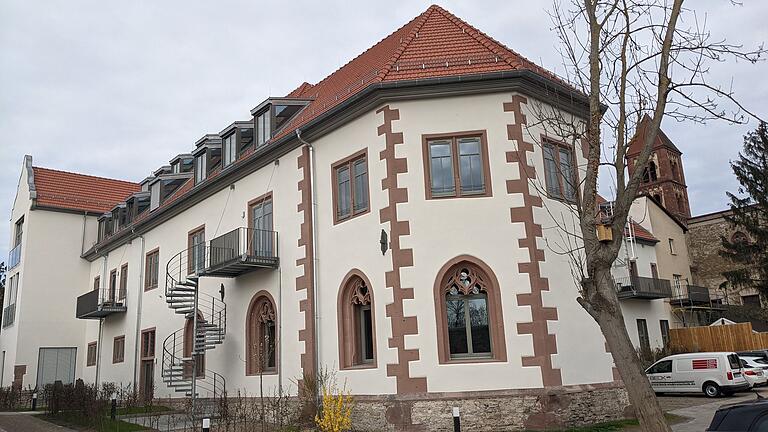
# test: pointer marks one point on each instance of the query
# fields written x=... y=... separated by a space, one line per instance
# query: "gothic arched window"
x=357 y=328
x=261 y=335
x=468 y=305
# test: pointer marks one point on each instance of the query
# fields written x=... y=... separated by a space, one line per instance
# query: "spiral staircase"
x=183 y=365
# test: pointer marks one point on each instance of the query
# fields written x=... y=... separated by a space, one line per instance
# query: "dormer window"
x=176 y=168
x=263 y=127
x=229 y=150
x=200 y=168
x=283 y=113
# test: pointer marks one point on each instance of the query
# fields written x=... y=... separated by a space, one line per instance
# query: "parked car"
x=748 y=416
x=754 y=353
x=754 y=374
x=713 y=373
x=755 y=362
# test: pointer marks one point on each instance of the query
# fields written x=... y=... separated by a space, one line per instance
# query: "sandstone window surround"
x=350 y=187
x=196 y=250
x=118 y=349
x=470 y=325
x=152 y=269
x=560 y=176
x=91 y=354
x=456 y=165
x=261 y=335
x=356 y=322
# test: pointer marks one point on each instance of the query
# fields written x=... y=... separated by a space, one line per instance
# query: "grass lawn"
x=142 y=410
x=622 y=425
x=80 y=423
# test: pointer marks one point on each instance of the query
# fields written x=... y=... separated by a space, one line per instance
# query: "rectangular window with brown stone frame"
x=196 y=250
x=456 y=165
x=350 y=188
x=91 y=354
x=112 y=294
x=118 y=349
x=560 y=175
x=148 y=344
x=123 y=282
x=151 y=269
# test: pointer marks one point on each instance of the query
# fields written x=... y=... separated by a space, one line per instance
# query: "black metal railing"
x=9 y=314
x=643 y=287
x=693 y=294
x=101 y=302
x=245 y=244
x=14 y=256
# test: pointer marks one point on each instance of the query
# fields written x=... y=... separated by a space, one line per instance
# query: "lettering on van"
x=699 y=364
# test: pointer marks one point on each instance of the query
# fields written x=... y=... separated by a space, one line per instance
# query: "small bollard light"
x=206 y=425
x=34 y=401
x=456 y=420
x=113 y=411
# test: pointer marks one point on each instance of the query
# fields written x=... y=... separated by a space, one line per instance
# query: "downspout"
x=139 y=296
x=315 y=260
x=102 y=280
x=280 y=329
x=82 y=241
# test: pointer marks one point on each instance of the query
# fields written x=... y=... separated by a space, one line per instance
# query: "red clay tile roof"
x=72 y=191
x=432 y=45
x=641 y=233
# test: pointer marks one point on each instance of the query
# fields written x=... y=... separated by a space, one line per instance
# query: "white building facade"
x=386 y=226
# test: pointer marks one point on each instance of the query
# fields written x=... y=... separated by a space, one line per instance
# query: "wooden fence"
x=730 y=337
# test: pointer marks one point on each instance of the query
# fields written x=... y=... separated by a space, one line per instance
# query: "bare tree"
x=631 y=58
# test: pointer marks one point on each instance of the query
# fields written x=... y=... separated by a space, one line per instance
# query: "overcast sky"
x=117 y=88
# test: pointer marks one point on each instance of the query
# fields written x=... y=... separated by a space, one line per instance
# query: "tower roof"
x=662 y=140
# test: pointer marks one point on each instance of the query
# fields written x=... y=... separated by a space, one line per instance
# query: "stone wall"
x=534 y=409
x=707 y=266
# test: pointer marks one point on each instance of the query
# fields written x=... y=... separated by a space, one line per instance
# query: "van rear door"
x=660 y=376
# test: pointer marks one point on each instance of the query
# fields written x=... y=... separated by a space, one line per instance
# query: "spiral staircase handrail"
x=182 y=295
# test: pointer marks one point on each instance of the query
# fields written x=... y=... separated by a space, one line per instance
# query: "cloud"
x=118 y=88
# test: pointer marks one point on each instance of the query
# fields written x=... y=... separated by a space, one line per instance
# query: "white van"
x=713 y=373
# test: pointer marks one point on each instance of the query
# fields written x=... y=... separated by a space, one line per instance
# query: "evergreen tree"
x=748 y=247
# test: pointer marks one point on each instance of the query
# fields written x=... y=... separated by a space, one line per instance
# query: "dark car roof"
x=738 y=416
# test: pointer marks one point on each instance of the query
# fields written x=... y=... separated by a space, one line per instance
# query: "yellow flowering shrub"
x=336 y=412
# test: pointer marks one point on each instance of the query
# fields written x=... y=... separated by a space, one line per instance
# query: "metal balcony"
x=638 y=287
x=100 y=303
x=14 y=256
x=239 y=251
x=692 y=295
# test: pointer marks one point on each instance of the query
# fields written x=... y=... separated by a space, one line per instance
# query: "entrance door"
x=261 y=224
x=147 y=379
x=199 y=359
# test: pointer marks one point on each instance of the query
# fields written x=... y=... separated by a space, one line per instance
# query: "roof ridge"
x=408 y=39
x=316 y=85
x=85 y=175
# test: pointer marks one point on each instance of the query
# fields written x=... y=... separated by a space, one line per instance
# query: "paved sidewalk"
x=701 y=415
x=17 y=422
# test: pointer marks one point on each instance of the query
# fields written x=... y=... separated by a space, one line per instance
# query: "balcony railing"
x=692 y=295
x=236 y=252
x=100 y=303
x=9 y=315
x=14 y=256
x=638 y=287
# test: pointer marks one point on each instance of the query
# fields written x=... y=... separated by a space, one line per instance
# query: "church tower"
x=663 y=177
